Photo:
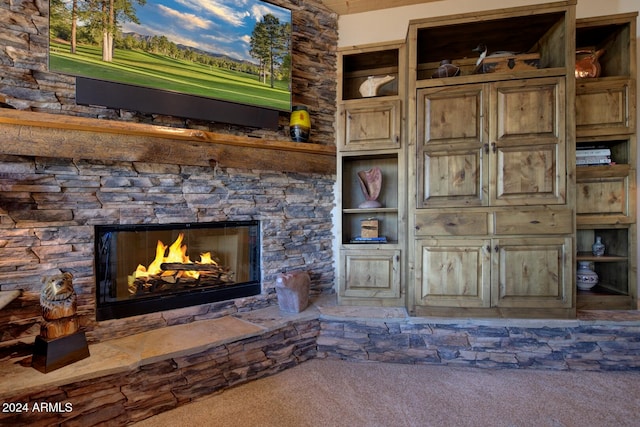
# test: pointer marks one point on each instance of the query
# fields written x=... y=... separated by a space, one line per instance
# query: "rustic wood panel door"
x=451 y=143
x=370 y=274
x=453 y=272
x=528 y=142
x=369 y=125
x=605 y=107
x=532 y=272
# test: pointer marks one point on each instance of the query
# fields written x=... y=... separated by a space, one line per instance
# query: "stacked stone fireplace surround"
x=48 y=207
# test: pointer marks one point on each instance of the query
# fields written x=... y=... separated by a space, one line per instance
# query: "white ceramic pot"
x=586 y=278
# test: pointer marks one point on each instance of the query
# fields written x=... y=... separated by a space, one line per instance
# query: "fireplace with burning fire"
x=147 y=268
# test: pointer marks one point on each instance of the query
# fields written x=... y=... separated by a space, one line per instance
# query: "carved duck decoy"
x=446 y=69
x=482 y=49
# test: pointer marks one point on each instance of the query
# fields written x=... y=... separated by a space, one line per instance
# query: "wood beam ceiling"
x=346 y=7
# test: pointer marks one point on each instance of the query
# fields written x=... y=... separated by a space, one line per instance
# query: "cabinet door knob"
x=495 y=248
x=486 y=147
x=493 y=147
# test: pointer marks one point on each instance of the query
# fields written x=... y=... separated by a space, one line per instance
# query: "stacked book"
x=589 y=156
x=360 y=239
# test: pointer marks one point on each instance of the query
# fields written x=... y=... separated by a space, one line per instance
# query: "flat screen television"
x=225 y=61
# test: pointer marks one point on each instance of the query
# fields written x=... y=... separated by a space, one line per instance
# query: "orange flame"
x=177 y=254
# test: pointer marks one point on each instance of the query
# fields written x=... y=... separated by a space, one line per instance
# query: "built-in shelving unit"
x=371 y=136
x=491 y=210
x=485 y=208
x=605 y=194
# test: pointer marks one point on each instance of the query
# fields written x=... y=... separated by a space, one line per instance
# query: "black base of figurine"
x=49 y=355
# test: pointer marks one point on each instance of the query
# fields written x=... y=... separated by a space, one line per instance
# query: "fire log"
x=179 y=266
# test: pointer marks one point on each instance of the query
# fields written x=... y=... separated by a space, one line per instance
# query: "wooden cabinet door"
x=370 y=274
x=605 y=107
x=451 y=143
x=369 y=125
x=493 y=144
x=532 y=273
x=528 y=142
x=453 y=273
x=605 y=197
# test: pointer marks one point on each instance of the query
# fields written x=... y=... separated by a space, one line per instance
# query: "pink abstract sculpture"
x=371 y=184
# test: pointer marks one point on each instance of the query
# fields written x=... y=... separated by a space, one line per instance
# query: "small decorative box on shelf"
x=507 y=63
x=369 y=228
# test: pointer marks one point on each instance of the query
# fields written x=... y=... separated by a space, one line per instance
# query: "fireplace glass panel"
x=146 y=268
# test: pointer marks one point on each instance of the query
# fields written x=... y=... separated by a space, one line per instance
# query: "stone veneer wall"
x=48 y=206
x=558 y=345
x=26 y=84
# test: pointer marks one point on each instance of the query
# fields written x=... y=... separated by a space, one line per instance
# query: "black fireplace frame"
x=108 y=310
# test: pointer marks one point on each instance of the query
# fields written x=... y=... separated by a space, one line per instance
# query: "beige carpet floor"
x=338 y=393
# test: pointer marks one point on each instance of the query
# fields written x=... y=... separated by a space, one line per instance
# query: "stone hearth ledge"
x=7 y=296
x=127 y=353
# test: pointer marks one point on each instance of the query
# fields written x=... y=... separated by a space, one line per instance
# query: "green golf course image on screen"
x=231 y=50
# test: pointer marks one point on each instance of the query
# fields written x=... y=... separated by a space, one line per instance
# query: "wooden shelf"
x=484 y=78
x=370 y=245
x=370 y=211
x=27 y=133
x=605 y=171
x=360 y=64
x=588 y=256
x=599 y=298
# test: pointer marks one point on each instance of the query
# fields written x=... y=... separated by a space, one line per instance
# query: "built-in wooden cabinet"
x=484 y=208
x=371 y=135
x=491 y=224
x=501 y=144
x=606 y=193
x=523 y=273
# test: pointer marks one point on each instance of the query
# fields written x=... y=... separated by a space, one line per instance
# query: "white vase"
x=598 y=247
x=586 y=278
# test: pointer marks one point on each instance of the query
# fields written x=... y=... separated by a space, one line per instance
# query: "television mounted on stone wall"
x=226 y=61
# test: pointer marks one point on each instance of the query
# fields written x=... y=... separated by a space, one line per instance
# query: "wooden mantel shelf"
x=27 y=133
